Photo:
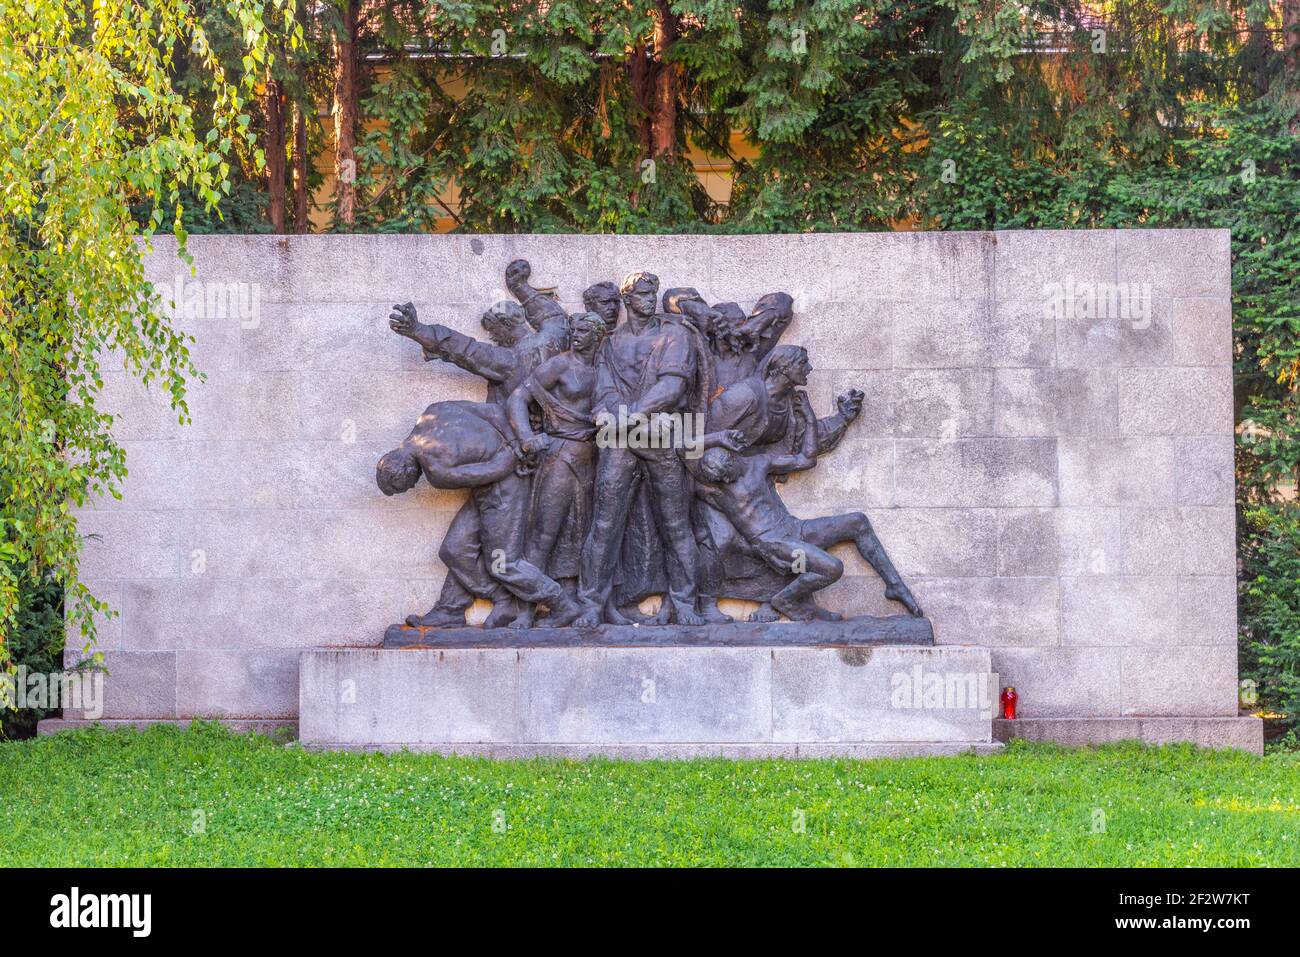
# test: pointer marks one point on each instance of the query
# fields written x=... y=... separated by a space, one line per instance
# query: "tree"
x=93 y=130
x=346 y=78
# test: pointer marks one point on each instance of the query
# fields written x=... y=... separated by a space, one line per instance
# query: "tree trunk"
x=1290 y=78
x=1261 y=51
x=345 y=114
x=303 y=103
x=300 y=220
x=1291 y=40
x=273 y=103
x=663 y=136
x=641 y=80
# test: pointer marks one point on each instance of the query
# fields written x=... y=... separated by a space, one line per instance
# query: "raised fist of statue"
x=850 y=404
x=518 y=272
x=402 y=320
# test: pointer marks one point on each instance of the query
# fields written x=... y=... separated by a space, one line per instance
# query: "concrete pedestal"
x=1246 y=733
x=650 y=702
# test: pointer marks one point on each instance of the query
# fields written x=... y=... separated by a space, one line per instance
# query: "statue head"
x=504 y=323
x=728 y=323
x=779 y=305
x=586 y=329
x=603 y=299
x=675 y=298
x=397 y=472
x=719 y=465
x=640 y=291
x=788 y=363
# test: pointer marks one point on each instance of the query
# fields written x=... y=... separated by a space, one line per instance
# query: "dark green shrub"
x=37 y=643
x=1270 y=607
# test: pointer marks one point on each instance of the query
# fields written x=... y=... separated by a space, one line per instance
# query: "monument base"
x=862 y=631
x=659 y=701
x=1245 y=732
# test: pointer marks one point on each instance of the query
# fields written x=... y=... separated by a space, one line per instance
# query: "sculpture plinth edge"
x=864 y=632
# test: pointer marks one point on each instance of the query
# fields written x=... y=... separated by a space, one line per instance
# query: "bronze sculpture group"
x=625 y=452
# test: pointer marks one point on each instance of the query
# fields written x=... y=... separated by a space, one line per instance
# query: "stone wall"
x=1055 y=487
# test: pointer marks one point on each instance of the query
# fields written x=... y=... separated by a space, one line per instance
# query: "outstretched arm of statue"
x=831 y=429
x=492 y=362
x=473 y=474
x=403 y=321
x=806 y=457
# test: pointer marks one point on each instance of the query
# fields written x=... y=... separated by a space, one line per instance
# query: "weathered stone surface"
x=1063 y=681
x=1031 y=471
x=1207 y=611
x=365 y=696
x=644 y=695
x=130 y=544
x=229 y=614
x=216 y=408
x=1118 y=610
x=1176 y=262
x=932 y=267
x=932 y=542
x=1204 y=465
x=319 y=544
x=136 y=684
x=1151 y=541
x=1113 y=341
x=1111 y=471
x=1049 y=402
x=846 y=335
x=858 y=477
x=995 y=612
x=1032 y=261
x=1199 y=681
x=1178 y=401
x=1243 y=733
x=1200 y=330
x=264 y=683
x=1029 y=542
x=179 y=474
x=519 y=700
x=975 y=472
x=929 y=338
x=1021 y=333
x=943 y=403
x=881 y=695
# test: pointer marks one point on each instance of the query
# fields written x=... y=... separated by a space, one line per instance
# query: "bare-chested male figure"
x=741 y=488
x=457 y=444
x=519 y=341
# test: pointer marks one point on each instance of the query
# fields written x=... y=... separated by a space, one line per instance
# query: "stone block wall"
x=1056 y=485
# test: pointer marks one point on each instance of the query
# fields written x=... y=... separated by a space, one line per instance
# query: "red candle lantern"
x=1009 y=699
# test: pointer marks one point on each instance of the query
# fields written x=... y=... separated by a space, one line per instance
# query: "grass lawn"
x=208 y=797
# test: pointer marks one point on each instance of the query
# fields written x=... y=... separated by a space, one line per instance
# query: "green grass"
x=133 y=798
